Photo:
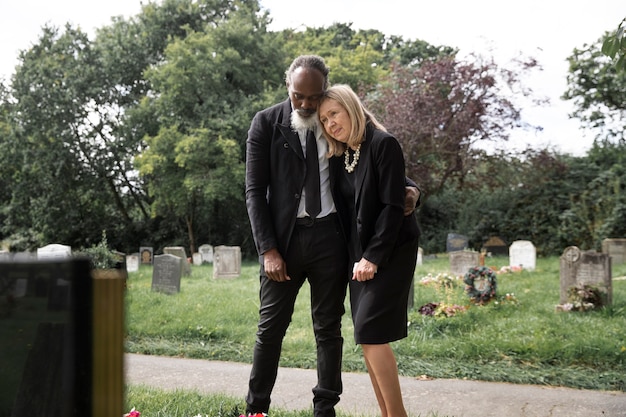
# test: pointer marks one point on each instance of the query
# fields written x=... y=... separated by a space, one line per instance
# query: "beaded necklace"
x=350 y=166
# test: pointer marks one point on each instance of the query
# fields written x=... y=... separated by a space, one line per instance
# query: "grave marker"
x=166 y=273
x=226 y=262
x=207 y=253
x=616 y=249
x=461 y=261
x=456 y=242
x=523 y=253
x=146 y=254
x=180 y=252
x=588 y=267
x=132 y=262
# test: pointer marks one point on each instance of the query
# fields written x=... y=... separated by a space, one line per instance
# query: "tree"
x=441 y=109
x=596 y=88
x=202 y=96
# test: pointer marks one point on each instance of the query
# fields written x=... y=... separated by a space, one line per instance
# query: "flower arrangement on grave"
x=442 y=279
x=441 y=309
x=583 y=297
x=480 y=284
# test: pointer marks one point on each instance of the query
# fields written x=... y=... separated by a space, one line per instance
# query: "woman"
x=367 y=172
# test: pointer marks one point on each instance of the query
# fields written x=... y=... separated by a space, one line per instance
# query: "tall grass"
x=523 y=342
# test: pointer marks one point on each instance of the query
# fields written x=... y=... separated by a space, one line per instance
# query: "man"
x=297 y=238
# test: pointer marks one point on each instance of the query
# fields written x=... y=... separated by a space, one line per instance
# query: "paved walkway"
x=445 y=397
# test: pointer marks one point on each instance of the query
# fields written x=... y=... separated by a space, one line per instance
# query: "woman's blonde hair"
x=358 y=114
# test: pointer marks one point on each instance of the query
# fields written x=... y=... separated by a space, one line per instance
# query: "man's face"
x=305 y=90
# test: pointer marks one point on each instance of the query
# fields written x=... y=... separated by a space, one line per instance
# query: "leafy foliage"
x=614 y=45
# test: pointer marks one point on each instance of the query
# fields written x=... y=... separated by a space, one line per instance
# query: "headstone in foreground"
x=67 y=363
x=226 y=262
x=166 y=273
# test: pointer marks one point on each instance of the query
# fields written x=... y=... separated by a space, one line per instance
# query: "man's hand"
x=275 y=267
x=410 y=200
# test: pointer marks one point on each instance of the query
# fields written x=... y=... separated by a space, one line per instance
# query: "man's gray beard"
x=303 y=123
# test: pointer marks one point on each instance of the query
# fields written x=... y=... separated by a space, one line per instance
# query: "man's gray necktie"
x=313 y=204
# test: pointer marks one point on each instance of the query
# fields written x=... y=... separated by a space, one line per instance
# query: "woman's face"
x=335 y=119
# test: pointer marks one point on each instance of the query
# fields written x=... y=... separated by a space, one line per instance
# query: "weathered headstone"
x=207 y=253
x=585 y=267
x=495 y=245
x=180 y=252
x=197 y=258
x=420 y=256
x=461 y=261
x=456 y=242
x=226 y=262
x=146 y=255
x=616 y=249
x=523 y=253
x=54 y=251
x=166 y=273
x=132 y=262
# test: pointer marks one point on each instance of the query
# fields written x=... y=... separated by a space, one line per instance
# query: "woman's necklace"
x=350 y=166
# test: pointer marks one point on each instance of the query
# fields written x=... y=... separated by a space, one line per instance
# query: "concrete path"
x=445 y=397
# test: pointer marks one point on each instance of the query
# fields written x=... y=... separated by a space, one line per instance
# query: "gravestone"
x=207 y=253
x=226 y=262
x=456 y=242
x=55 y=365
x=420 y=256
x=616 y=249
x=523 y=253
x=146 y=255
x=197 y=258
x=54 y=251
x=132 y=262
x=495 y=245
x=585 y=267
x=180 y=252
x=166 y=273
x=461 y=261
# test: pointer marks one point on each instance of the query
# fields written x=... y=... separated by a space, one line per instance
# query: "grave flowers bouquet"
x=583 y=297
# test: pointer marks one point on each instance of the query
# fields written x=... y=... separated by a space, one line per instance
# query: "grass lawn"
x=519 y=339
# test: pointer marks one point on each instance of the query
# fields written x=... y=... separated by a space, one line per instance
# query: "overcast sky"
x=544 y=29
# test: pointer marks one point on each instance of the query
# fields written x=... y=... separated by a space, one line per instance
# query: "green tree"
x=596 y=89
x=203 y=96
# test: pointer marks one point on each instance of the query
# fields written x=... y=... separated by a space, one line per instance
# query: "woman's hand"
x=364 y=270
